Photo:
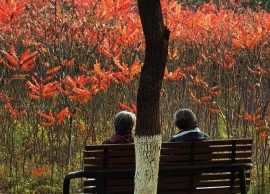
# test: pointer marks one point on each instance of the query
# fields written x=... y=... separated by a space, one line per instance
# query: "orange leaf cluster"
x=40 y=171
x=10 y=9
x=14 y=114
x=133 y=107
x=174 y=76
x=253 y=118
x=25 y=63
x=38 y=91
x=59 y=117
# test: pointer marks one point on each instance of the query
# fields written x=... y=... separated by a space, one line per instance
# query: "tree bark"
x=148 y=129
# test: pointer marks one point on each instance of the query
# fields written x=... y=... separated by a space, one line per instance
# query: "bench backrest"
x=214 y=152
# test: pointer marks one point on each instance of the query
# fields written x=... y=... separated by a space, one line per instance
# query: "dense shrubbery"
x=68 y=66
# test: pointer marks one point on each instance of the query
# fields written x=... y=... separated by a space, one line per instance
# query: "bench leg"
x=66 y=185
x=99 y=183
x=243 y=186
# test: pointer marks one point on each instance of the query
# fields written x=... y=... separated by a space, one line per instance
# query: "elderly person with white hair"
x=186 y=121
x=124 y=123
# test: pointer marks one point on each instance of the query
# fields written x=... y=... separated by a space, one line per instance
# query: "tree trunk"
x=148 y=129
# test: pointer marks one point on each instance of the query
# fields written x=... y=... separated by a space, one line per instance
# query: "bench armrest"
x=73 y=175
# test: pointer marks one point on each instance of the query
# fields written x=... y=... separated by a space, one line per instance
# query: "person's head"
x=185 y=118
x=124 y=122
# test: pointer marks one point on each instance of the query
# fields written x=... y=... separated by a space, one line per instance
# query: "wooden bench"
x=211 y=167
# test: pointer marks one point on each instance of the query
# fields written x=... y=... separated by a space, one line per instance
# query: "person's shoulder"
x=106 y=141
x=206 y=136
x=170 y=140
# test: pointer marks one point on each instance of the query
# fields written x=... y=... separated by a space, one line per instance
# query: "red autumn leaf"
x=4 y=97
x=215 y=111
x=125 y=107
x=25 y=56
x=17 y=11
x=64 y=112
x=101 y=49
x=45 y=124
x=81 y=91
x=4 y=16
x=215 y=93
x=26 y=67
x=205 y=98
x=68 y=63
x=77 y=97
x=231 y=88
x=48 y=94
x=36 y=97
x=98 y=71
x=34 y=88
x=49 y=78
x=237 y=44
x=11 y=59
x=49 y=87
x=12 y=51
x=12 y=68
x=134 y=107
x=47 y=116
x=21 y=113
x=59 y=121
x=135 y=68
x=248 y=117
x=10 y=108
x=82 y=80
x=238 y=115
x=69 y=81
x=53 y=70
x=117 y=63
x=192 y=95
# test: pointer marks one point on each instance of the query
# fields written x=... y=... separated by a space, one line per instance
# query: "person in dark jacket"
x=186 y=121
x=124 y=123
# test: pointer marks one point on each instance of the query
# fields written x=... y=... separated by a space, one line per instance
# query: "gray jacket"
x=190 y=134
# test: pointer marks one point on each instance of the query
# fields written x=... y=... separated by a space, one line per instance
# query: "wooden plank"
x=89 y=182
x=119 y=166
x=110 y=146
x=174 y=177
x=111 y=161
x=218 y=156
x=212 y=156
x=207 y=143
x=92 y=167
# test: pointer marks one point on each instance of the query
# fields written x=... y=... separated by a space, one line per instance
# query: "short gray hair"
x=124 y=122
x=184 y=118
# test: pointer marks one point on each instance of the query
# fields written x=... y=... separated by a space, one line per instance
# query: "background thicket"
x=67 y=67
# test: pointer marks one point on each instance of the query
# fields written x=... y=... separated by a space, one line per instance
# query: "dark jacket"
x=118 y=139
x=190 y=134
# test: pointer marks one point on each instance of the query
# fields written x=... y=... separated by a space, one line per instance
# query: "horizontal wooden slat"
x=170 y=187
x=168 y=158
x=111 y=161
x=127 y=146
x=205 y=191
x=99 y=167
x=111 y=153
x=208 y=143
x=174 y=186
x=244 y=142
x=205 y=149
